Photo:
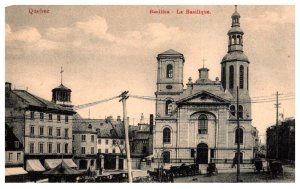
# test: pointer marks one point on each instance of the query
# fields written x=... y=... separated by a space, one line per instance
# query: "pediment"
x=203 y=97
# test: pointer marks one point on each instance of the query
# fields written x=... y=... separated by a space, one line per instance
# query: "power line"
x=241 y=101
x=94 y=103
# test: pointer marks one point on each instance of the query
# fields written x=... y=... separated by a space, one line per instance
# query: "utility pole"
x=124 y=97
x=277 y=138
x=238 y=142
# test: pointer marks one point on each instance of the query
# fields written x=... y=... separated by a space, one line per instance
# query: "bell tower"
x=62 y=95
x=169 y=81
x=235 y=67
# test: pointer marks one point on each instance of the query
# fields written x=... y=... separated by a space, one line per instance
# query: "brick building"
x=199 y=122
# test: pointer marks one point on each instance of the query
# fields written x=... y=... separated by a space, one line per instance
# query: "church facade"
x=199 y=123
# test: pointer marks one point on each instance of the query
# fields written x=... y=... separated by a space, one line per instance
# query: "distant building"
x=142 y=138
x=43 y=128
x=256 y=142
x=110 y=143
x=285 y=140
x=84 y=144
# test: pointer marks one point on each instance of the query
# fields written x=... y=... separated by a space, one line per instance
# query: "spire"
x=61 y=72
x=235 y=18
x=235 y=33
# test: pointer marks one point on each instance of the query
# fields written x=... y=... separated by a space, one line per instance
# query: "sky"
x=105 y=50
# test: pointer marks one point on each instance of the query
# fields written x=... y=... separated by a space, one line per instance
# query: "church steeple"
x=235 y=34
x=235 y=65
x=235 y=18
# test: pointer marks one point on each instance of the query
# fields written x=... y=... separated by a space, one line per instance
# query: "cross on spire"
x=203 y=60
x=61 y=72
x=235 y=8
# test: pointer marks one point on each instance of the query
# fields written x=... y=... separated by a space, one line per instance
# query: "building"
x=141 y=138
x=84 y=144
x=43 y=128
x=110 y=143
x=14 y=157
x=199 y=122
x=285 y=135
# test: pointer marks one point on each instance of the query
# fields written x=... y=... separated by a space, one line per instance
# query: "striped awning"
x=34 y=165
x=15 y=171
x=52 y=163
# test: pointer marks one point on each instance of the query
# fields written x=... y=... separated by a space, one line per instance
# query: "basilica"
x=198 y=123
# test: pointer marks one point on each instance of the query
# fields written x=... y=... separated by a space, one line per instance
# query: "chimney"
x=7 y=86
x=151 y=123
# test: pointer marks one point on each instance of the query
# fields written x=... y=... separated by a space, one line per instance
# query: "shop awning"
x=52 y=163
x=70 y=163
x=34 y=165
x=15 y=171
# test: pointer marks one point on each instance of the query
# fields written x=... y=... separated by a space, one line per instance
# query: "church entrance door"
x=202 y=153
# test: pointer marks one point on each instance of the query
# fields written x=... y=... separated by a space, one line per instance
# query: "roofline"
x=203 y=91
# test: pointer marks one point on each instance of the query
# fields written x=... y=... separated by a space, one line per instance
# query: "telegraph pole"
x=238 y=142
x=124 y=97
x=277 y=138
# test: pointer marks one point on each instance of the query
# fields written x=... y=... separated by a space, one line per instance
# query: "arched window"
x=232 y=110
x=238 y=40
x=240 y=111
x=239 y=136
x=231 y=77
x=169 y=107
x=202 y=124
x=241 y=77
x=166 y=135
x=169 y=71
x=224 y=77
x=232 y=40
x=234 y=37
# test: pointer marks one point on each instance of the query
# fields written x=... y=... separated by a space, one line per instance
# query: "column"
x=117 y=162
x=102 y=162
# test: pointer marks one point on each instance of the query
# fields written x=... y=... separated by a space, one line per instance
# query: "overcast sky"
x=107 y=49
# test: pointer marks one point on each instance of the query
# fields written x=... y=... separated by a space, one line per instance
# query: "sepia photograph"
x=149 y=93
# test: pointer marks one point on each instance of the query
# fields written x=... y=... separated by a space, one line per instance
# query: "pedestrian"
x=233 y=162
